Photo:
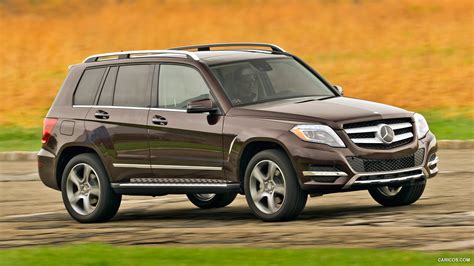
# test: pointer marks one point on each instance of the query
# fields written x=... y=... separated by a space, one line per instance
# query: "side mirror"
x=201 y=106
x=339 y=89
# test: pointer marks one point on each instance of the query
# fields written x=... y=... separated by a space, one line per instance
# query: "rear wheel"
x=390 y=196
x=211 y=200
x=271 y=187
x=86 y=190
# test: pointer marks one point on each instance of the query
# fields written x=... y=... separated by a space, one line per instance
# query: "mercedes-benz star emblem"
x=385 y=134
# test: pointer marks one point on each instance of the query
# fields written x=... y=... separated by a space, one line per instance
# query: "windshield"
x=265 y=80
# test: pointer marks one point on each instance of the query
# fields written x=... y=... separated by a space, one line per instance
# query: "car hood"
x=334 y=111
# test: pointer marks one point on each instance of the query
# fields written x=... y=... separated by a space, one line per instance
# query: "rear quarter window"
x=88 y=85
x=107 y=94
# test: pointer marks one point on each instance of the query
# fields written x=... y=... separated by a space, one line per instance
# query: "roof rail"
x=207 y=47
x=138 y=53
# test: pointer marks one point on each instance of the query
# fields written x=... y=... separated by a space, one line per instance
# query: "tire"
x=103 y=203
x=404 y=195
x=208 y=201
x=273 y=197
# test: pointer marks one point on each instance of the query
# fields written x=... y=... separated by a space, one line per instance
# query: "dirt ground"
x=443 y=219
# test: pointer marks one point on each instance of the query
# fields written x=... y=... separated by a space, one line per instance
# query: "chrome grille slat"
x=377 y=141
x=365 y=134
x=375 y=128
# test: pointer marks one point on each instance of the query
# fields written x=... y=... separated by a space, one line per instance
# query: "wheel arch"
x=255 y=145
x=69 y=152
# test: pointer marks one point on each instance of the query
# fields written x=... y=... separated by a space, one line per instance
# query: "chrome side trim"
x=169 y=167
x=375 y=128
x=130 y=107
x=168 y=110
x=322 y=173
x=377 y=141
x=132 y=165
x=112 y=107
x=186 y=167
x=384 y=181
x=356 y=176
x=232 y=145
x=144 y=53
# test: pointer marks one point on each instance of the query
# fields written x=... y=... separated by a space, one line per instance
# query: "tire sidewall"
x=408 y=194
x=291 y=182
x=105 y=190
x=218 y=201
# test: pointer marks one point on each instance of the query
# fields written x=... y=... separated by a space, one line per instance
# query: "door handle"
x=101 y=114
x=159 y=120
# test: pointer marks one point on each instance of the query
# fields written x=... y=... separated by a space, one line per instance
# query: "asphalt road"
x=443 y=219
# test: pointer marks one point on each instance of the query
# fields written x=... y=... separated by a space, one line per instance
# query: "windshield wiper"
x=328 y=97
x=319 y=99
x=307 y=100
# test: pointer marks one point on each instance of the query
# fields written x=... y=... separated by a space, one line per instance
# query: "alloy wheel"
x=83 y=189
x=389 y=191
x=267 y=186
x=205 y=196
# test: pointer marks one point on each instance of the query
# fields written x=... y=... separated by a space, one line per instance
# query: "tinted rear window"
x=88 y=85
x=132 y=86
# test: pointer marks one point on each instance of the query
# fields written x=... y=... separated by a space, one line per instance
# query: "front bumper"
x=328 y=170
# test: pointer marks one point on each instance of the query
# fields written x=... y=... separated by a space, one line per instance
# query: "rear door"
x=117 y=123
x=183 y=145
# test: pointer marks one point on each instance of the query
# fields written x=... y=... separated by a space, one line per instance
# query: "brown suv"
x=244 y=118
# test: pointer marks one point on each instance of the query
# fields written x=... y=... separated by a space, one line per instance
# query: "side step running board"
x=160 y=186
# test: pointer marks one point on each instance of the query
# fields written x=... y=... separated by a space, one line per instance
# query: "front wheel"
x=390 y=196
x=211 y=200
x=86 y=190
x=271 y=187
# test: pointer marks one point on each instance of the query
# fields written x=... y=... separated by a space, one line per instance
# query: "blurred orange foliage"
x=413 y=54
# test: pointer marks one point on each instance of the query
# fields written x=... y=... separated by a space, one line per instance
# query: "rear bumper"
x=344 y=177
x=47 y=168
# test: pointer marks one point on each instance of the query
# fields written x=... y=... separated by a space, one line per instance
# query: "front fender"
x=237 y=139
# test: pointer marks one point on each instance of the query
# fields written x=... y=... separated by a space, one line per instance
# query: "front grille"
x=363 y=134
x=371 y=165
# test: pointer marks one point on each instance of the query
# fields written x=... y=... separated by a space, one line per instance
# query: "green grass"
x=445 y=124
x=20 y=139
x=100 y=254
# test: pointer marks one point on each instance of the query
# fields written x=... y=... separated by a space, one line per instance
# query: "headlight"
x=319 y=134
x=421 y=125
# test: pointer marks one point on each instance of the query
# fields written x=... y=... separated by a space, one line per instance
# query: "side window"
x=88 y=85
x=131 y=88
x=179 y=85
x=107 y=94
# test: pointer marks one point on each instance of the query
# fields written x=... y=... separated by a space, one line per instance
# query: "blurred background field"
x=100 y=254
x=415 y=54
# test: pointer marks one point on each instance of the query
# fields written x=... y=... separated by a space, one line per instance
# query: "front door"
x=183 y=145
x=117 y=123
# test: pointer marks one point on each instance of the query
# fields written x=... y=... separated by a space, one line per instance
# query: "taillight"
x=48 y=127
